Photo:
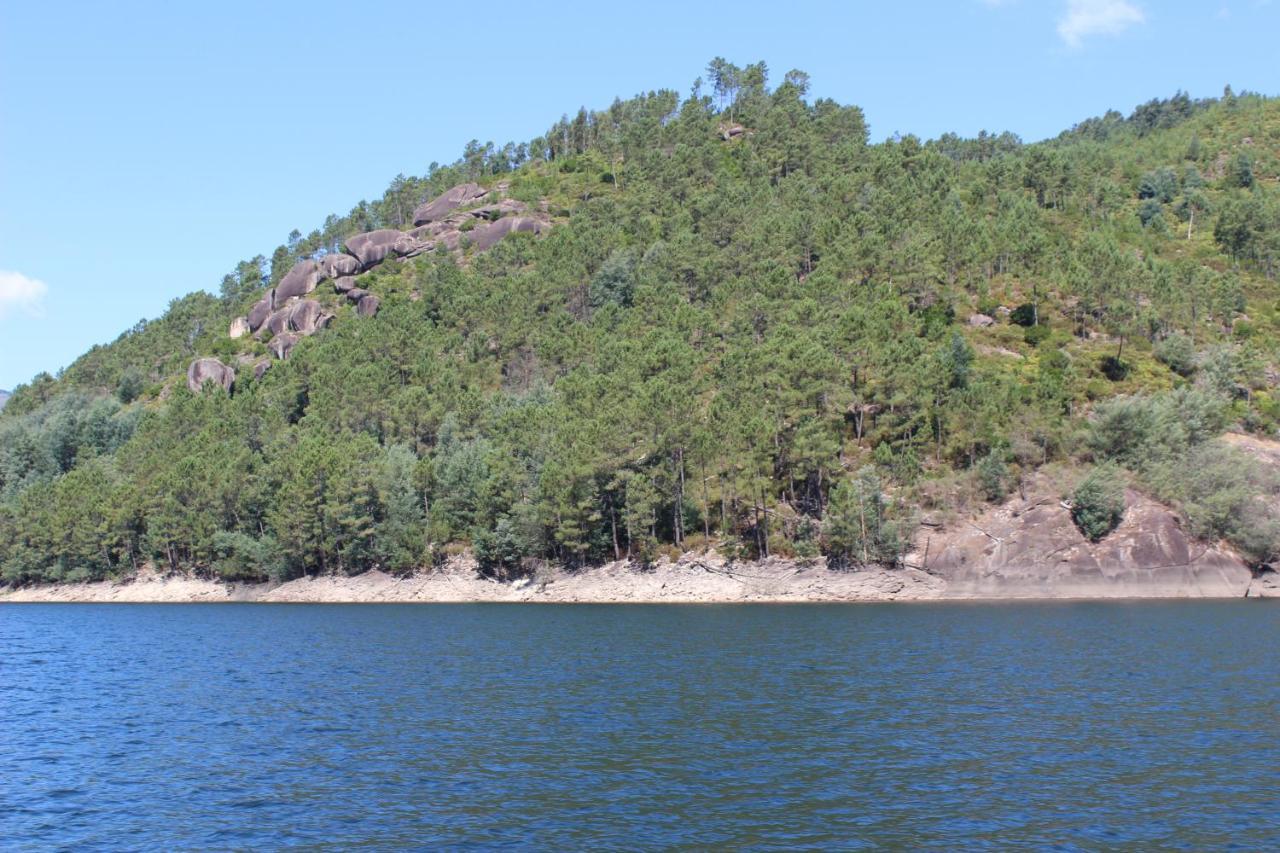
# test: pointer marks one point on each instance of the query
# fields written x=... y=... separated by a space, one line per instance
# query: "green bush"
x=1024 y=315
x=1036 y=335
x=1114 y=369
x=1178 y=353
x=1097 y=504
x=993 y=477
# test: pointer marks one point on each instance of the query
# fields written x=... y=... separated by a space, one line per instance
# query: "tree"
x=1097 y=504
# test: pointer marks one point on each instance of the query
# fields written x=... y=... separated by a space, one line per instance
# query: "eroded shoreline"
x=687 y=581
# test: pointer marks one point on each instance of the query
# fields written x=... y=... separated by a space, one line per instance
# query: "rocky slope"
x=466 y=216
x=1029 y=548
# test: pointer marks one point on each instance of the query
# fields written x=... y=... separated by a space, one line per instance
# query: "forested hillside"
x=747 y=326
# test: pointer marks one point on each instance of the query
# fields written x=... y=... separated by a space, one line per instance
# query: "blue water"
x=1084 y=726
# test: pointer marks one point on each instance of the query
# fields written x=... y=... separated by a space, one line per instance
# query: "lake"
x=926 y=726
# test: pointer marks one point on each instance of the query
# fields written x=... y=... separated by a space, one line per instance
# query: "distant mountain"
x=4 y=398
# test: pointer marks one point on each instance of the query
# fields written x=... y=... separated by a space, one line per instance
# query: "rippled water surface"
x=927 y=726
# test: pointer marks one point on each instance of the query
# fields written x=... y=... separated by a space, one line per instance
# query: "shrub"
x=1024 y=315
x=1036 y=335
x=1097 y=504
x=1178 y=353
x=1114 y=369
x=993 y=477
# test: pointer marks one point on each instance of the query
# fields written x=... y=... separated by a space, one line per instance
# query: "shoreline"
x=687 y=581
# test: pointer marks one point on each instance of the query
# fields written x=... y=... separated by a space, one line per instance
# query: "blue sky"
x=145 y=148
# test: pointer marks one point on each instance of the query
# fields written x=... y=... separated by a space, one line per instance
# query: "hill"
x=721 y=319
x=4 y=398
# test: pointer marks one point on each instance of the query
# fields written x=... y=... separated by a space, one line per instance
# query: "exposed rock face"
x=278 y=321
x=260 y=368
x=981 y=321
x=1032 y=549
x=452 y=199
x=204 y=370
x=282 y=344
x=283 y=314
x=260 y=311
x=338 y=264
x=299 y=281
x=308 y=316
x=373 y=247
x=485 y=237
x=497 y=211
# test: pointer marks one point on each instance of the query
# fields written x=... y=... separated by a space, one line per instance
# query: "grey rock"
x=299 y=281
x=277 y=322
x=485 y=237
x=308 y=316
x=355 y=294
x=282 y=344
x=259 y=313
x=239 y=328
x=204 y=370
x=368 y=305
x=981 y=321
x=374 y=247
x=338 y=264
x=344 y=283
x=450 y=200
x=260 y=368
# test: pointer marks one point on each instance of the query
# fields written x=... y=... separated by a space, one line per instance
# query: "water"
x=923 y=726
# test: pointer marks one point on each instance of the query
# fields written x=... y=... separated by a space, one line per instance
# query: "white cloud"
x=1086 y=18
x=19 y=293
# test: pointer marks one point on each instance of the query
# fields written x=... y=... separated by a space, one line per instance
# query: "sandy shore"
x=688 y=581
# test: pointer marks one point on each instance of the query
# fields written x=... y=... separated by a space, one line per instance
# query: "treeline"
x=749 y=327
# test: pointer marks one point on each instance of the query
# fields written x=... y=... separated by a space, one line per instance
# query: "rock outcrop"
x=204 y=370
x=337 y=264
x=282 y=344
x=454 y=198
x=299 y=281
x=259 y=313
x=485 y=237
x=373 y=247
x=283 y=315
x=308 y=316
x=1030 y=548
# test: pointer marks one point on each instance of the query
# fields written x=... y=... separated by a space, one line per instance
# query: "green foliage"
x=712 y=335
x=1036 y=335
x=1097 y=504
x=862 y=527
x=993 y=477
x=1178 y=353
x=1224 y=494
x=1024 y=315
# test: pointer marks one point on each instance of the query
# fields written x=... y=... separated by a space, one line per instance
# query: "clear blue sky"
x=147 y=147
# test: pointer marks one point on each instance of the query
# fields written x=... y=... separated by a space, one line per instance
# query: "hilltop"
x=725 y=320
